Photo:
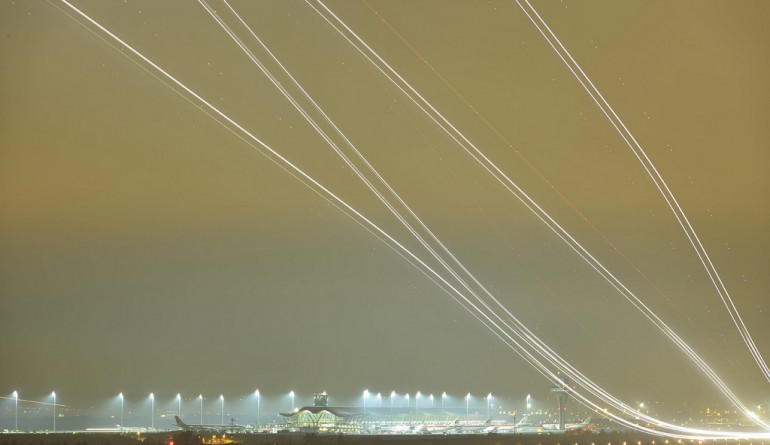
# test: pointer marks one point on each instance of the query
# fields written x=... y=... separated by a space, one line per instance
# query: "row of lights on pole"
x=417 y=397
x=179 y=407
x=257 y=394
x=15 y=396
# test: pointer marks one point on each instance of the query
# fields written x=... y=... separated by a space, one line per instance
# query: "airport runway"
x=181 y=438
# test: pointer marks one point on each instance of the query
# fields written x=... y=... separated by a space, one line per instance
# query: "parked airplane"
x=519 y=427
x=118 y=429
x=210 y=428
x=568 y=426
x=477 y=428
x=440 y=429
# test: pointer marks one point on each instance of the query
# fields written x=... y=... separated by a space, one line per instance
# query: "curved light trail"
x=391 y=74
x=657 y=179
x=519 y=330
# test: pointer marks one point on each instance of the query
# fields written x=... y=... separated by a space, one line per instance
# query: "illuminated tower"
x=562 y=392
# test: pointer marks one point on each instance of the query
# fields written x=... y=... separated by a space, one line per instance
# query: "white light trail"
x=533 y=341
x=513 y=188
x=331 y=197
x=657 y=178
x=297 y=173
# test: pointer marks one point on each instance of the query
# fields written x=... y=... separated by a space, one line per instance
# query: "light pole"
x=431 y=400
x=379 y=398
x=121 y=410
x=291 y=394
x=200 y=397
x=392 y=396
x=152 y=411
x=407 y=400
x=256 y=393
x=529 y=403
x=16 y=399
x=179 y=405
x=53 y=394
x=417 y=401
x=467 y=399
x=443 y=396
x=489 y=401
x=366 y=396
x=222 y=412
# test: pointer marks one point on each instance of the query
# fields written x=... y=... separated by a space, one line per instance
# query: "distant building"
x=356 y=419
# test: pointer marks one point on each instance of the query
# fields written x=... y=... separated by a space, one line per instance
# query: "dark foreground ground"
x=180 y=438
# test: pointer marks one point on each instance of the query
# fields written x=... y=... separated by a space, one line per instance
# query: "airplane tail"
x=523 y=420
x=179 y=421
x=587 y=421
x=488 y=421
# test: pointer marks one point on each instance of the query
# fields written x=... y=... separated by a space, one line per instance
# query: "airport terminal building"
x=383 y=420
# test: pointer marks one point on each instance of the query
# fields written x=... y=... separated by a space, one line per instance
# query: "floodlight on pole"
x=392 y=397
x=53 y=394
x=529 y=403
x=179 y=404
x=152 y=411
x=366 y=396
x=16 y=399
x=379 y=398
x=417 y=401
x=256 y=393
x=443 y=396
x=291 y=394
x=407 y=400
x=431 y=400
x=200 y=397
x=467 y=399
x=222 y=411
x=489 y=401
x=121 y=410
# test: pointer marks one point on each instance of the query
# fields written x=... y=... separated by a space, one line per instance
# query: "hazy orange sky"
x=134 y=225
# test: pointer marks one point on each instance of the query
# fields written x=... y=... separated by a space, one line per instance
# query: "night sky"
x=144 y=247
